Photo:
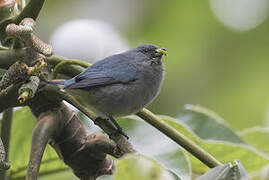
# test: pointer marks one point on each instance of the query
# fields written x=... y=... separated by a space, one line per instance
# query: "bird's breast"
x=128 y=98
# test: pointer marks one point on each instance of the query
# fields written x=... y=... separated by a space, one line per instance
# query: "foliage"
x=245 y=146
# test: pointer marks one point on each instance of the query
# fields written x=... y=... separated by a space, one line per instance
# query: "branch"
x=17 y=74
x=65 y=63
x=4 y=145
x=84 y=153
x=69 y=70
x=3 y=164
x=124 y=145
x=179 y=138
x=24 y=32
x=8 y=97
x=32 y=10
x=145 y=114
x=28 y=90
x=9 y=57
x=44 y=130
x=6 y=129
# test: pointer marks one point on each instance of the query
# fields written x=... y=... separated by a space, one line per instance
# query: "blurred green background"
x=218 y=49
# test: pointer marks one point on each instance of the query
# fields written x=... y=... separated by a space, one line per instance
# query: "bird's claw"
x=119 y=131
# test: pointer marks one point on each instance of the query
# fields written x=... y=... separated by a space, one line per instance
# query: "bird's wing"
x=112 y=70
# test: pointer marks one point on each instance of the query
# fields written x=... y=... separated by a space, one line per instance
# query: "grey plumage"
x=121 y=84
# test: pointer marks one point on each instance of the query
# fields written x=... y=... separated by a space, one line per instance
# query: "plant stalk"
x=179 y=138
x=5 y=135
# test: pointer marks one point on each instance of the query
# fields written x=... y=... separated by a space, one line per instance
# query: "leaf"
x=151 y=142
x=257 y=137
x=226 y=172
x=217 y=173
x=208 y=125
x=222 y=151
x=21 y=134
x=135 y=166
x=177 y=161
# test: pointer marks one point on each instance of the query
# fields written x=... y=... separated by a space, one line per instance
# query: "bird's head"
x=152 y=53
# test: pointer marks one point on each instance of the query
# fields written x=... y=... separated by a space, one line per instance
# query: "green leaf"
x=257 y=137
x=178 y=162
x=225 y=172
x=208 y=125
x=20 y=145
x=222 y=151
x=135 y=166
x=153 y=143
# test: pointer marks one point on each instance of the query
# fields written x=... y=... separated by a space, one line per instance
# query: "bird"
x=121 y=84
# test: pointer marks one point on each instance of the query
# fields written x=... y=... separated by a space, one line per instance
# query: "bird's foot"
x=117 y=132
x=119 y=129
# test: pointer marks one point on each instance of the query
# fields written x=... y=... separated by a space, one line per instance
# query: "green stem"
x=5 y=135
x=70 y=71
x=63 y=64
x=179 y=138
x=54 y=60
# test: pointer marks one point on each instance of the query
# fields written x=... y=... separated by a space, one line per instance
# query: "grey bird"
x=120 y=84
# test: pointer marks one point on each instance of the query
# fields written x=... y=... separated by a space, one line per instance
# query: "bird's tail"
x=59 y=83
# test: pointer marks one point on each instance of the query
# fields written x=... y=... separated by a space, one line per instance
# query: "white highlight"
x=240 y=15
x=89 y=40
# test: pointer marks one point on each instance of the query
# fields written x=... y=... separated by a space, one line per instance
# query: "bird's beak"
x=162 y=51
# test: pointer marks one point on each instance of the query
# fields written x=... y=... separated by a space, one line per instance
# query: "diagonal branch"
x=179 y=138
x=124 y=145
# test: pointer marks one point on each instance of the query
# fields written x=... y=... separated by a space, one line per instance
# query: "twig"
x=8 y=97
x=32 y=10
x=179 y=138
x=16 y=73
x=69 y=70
x=9 y=57
x=63 y=64
x=24 y=31
x=3 y=164
x=5 y=135
x=29 y=89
